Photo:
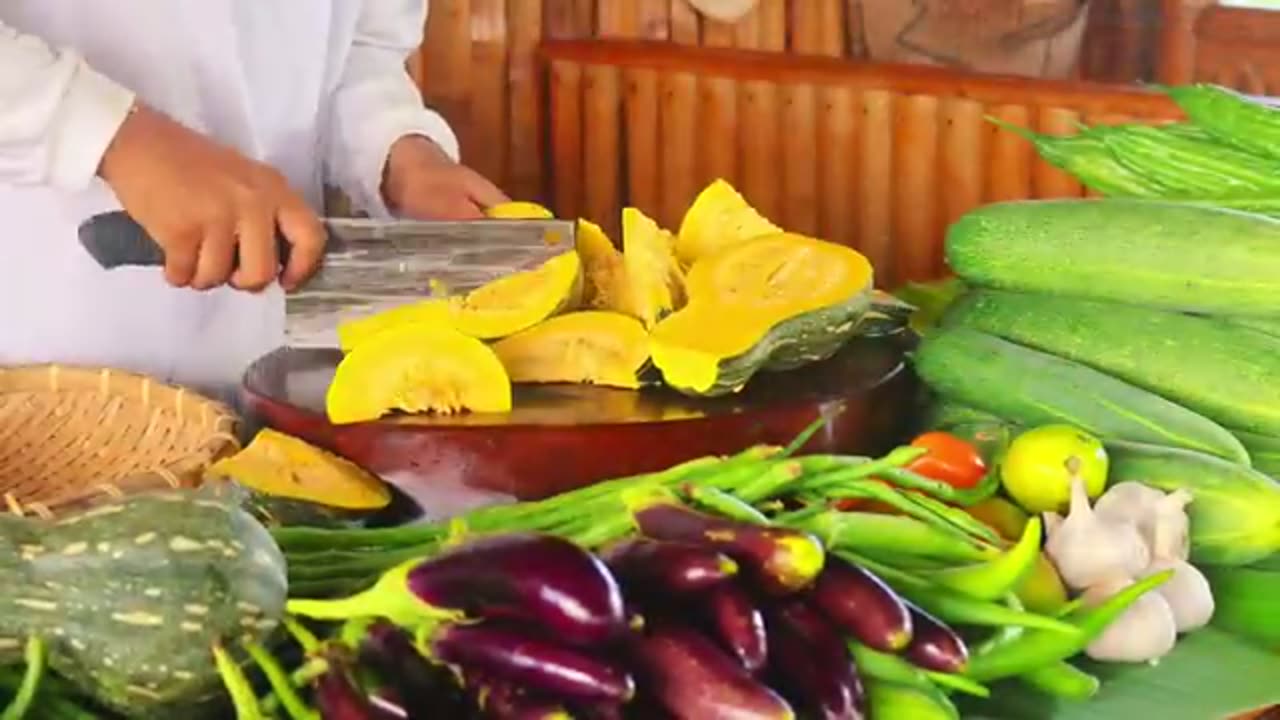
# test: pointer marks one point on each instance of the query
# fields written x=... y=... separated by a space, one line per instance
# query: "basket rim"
x=137 y=388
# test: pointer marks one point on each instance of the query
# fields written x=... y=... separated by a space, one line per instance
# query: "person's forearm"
x=57 y=114
x=376 y=102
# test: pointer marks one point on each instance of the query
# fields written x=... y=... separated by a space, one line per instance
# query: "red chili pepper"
x=949 y=459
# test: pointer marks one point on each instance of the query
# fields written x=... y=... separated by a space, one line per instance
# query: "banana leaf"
x=1210 y=675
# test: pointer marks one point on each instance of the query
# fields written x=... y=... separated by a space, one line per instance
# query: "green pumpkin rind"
x=131 y=595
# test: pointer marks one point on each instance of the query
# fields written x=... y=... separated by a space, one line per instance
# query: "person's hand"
x=209 y=207
x=423 y=183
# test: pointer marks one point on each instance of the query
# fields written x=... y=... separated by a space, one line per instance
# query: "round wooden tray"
x=560 y=437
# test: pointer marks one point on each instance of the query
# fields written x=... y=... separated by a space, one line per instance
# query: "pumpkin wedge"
x=654 y=282
x=499 y=308
x=591 y=346
x=718 y=217
x=776 y=302
x=417 y=369
x=292 y=482
x=604 y=281
x=518 y=210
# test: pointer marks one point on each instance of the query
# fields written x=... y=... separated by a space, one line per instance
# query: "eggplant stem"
x=389 y=598
x=281 y=685
x=304 y=637
x=36 y=657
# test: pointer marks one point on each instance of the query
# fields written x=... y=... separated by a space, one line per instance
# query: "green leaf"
x=1210 y=675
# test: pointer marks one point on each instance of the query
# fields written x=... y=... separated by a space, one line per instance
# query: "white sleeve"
x=376 y=102
x=57 y=114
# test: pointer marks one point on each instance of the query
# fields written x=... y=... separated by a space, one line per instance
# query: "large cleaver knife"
x=386 y=259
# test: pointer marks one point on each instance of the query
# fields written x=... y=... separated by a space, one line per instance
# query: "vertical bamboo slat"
x=1010 y=167
x=644 y=136
x=758 y=146
x=799 y=158
x=875 y=200
x=1047 y=180
x=915 y=182
x=678 y=147
x=602 y=149
x=526 y=150
x=838 y=177
x=962 y=152
x=488 y=88
x=717 y=129
x=566 y=137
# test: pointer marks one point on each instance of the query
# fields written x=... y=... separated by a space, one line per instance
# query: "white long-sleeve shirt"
x=316 y=88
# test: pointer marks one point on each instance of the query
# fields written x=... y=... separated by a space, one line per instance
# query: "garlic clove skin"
x=1128 y=501
x=1188 y=594
x=1170 y=527
x=1086 y=549
x=1145 y=632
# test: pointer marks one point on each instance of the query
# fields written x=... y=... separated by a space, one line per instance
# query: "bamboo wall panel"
x=478 y=61
x=1236 y=47
x=880 y=157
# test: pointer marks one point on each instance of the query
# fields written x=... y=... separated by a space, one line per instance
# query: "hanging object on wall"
x=726 y=11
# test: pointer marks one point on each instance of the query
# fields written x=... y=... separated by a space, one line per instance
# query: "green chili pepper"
x=953 y=607
x=960 y=519
x=880 y=532
x=722 y=503
x=238 y=687
x=884 y=667
x=893 y=700
x=1062 y=680
x=36 y=660
x=1034 y=648
x=999 y=576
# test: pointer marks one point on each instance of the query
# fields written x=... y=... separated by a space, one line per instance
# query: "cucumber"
x=1211 y=367
x=1029 y=387
x=1143 y=252
x=1267 y=326
x=1264 y=451
x=1234 y=512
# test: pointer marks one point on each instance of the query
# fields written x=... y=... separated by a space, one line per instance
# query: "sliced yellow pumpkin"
x=591 y=346
x=718 y=217
x=435 y=311
x=604 y=280
x=520 y=300
x=654 y=282
x=772 y=303
x=293 y=481
x=417 y=369
x=518 y=210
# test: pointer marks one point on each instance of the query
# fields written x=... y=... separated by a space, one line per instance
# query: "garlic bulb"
x=1130 y=502
x=1143 y=633
x=1170 y=527
x=1187 y=593
x=1087 y=549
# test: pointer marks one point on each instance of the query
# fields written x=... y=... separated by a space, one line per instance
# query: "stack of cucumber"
x=1154 y=325
x=1227 y=154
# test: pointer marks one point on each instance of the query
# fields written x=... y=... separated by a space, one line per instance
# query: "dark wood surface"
x=561 y=437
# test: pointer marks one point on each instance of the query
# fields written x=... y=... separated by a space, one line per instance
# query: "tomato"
x=949 y=459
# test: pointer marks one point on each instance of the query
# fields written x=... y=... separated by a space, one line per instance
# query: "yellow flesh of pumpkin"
x=520 y=300
x=436 y=311
x=518 y=210
x=284 y=466
x=417 y=369
x=718 y=217
x=655 y=285
x=603 y=274
x=600 y=348
x=737 y=295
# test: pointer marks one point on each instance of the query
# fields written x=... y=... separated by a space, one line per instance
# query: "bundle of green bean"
x=324 y=562
x=1226 y=155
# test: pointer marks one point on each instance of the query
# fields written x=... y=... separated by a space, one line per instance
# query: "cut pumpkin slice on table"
x=292 y=482
x=655 y=285
x=776 y=302
x=604 y=281
x=718 y=217
x=434 y=311
x=417 y=369
x=591 y=346
x=518 y=210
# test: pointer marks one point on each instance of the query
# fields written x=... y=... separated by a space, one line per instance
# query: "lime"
x=1038 y=468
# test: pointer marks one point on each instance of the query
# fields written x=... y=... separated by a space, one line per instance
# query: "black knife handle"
x=114 y=239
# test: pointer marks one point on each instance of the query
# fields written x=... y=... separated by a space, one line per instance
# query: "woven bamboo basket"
x=70 y=436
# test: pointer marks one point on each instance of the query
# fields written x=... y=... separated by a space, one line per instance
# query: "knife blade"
x=386 y=258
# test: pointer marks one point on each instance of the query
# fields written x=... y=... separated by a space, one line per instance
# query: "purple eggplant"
x=526 y=577
x=781 y=560
x=690 y=677
x=812 y=663
x=528 y=660
x=500 y=700
x=431 y=691
x=863 y=606
x=934 y=646
x=338 y=697
x=737 y=623
x=668 y=566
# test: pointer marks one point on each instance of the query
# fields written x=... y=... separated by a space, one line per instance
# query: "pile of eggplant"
x=698 y=617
